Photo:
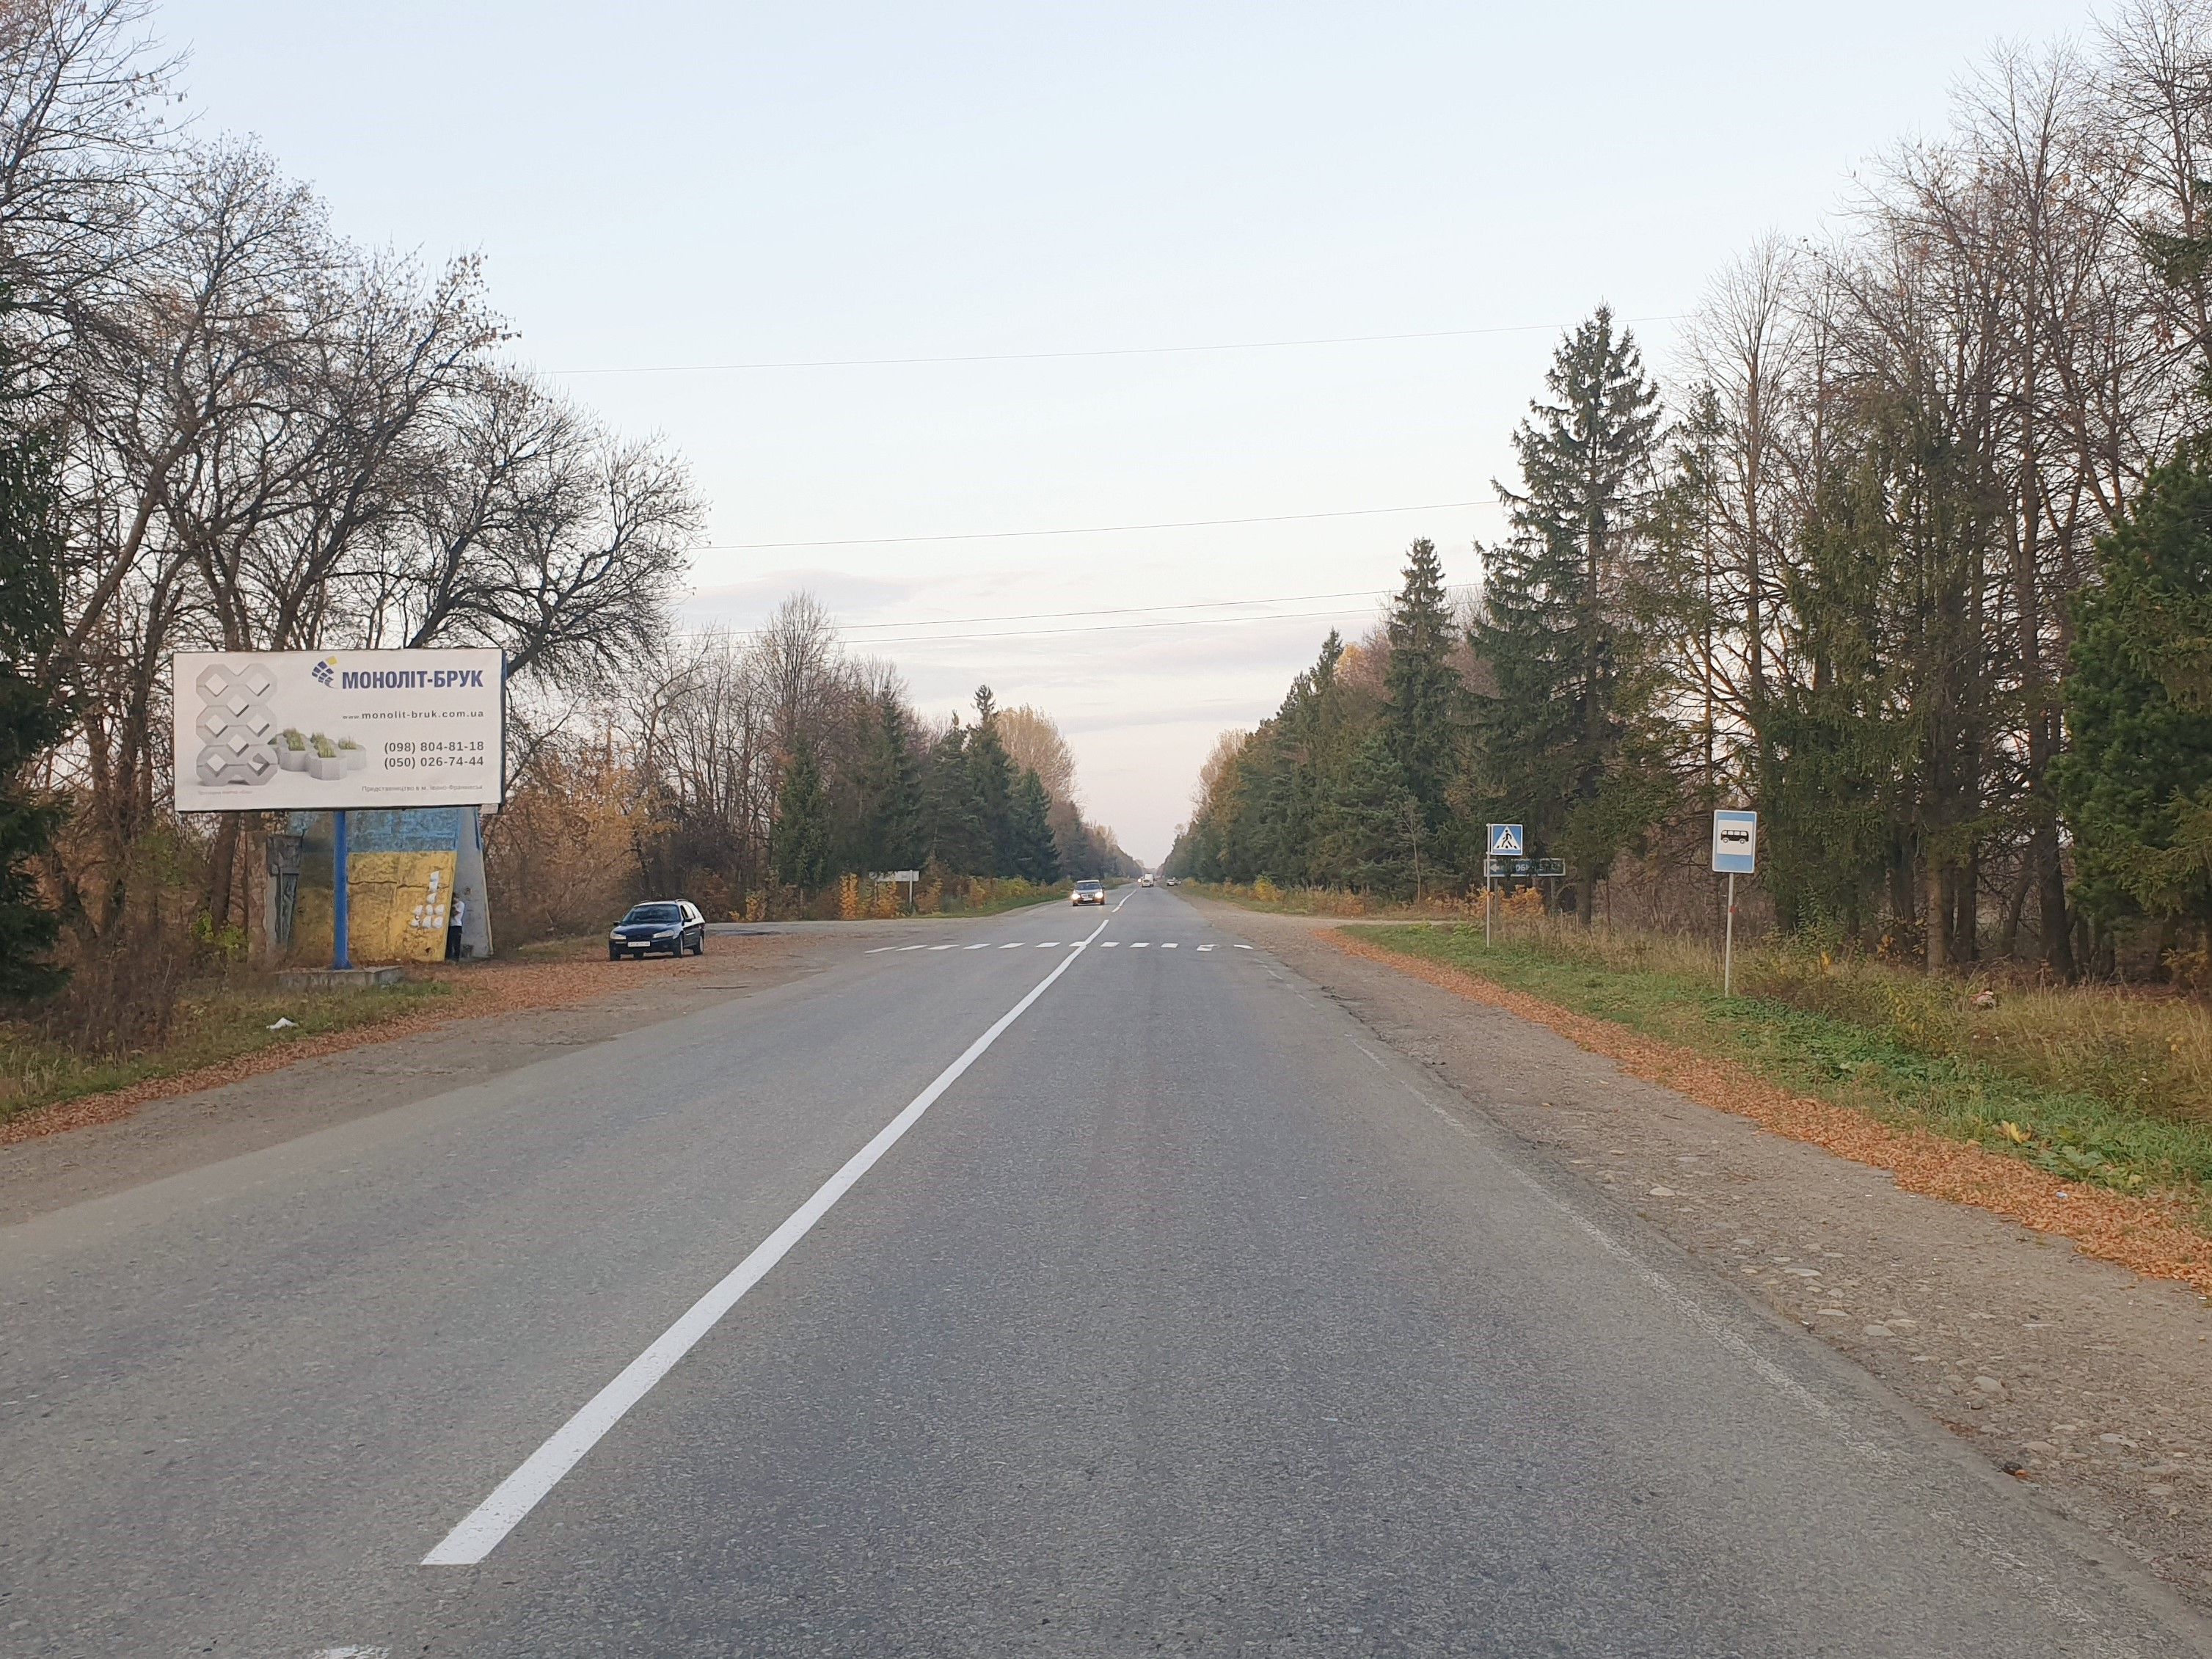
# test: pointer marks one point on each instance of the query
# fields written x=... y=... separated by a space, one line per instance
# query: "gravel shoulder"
x=2083 y=1381
x=519 y=1013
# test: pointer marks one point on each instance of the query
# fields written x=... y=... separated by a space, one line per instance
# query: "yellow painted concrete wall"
x=399 y=903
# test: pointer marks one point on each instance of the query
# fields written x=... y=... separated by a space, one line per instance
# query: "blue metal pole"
x=340 y=881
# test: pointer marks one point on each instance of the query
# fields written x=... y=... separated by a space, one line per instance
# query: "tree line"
x=754 y=771
x=224 y=425
x=1909 y=554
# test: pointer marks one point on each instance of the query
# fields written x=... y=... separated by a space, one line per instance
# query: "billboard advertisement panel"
x=321 y=731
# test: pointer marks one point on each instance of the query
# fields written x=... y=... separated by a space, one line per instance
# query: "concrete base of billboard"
x=338 y=979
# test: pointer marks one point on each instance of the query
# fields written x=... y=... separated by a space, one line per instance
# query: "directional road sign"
x=1506 y=840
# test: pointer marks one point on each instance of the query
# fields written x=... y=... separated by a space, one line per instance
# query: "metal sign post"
x=341 y=899
x=1735 y=853
x=1506 y=842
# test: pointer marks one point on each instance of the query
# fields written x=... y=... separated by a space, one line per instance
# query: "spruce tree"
x=890 y=792
x=991 y=775
x=30 y=722
x=1564 y=733
x=1372 y=833
x=952 y=823
x=2136 y=788
x=1424 y=689
x=798 y=840
x=1036 y=852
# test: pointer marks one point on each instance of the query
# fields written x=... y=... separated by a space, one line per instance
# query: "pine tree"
x=1565 y=734
x=890 y=792
x=1037 y=852
x=30 y=723
x=798 y=840
x=2136 y=788
x=1424 y=688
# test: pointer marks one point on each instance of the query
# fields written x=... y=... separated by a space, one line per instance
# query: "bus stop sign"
x=1736 y=843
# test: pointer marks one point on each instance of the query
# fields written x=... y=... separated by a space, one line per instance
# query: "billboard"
x=319 y=731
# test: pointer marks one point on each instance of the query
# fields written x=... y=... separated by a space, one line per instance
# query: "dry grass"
x=223 y=1036
x=2154 y=1234
x=2144 y=1052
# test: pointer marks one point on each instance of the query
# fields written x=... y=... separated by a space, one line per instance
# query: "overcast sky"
x=658 y=187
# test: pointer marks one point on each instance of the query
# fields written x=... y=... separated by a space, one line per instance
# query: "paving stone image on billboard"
x=278 y=731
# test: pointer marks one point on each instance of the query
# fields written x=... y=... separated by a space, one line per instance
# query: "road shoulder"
x=2088 y=1383
x=187 y=1128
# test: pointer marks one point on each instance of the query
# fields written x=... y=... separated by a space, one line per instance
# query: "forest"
x=1910 y=550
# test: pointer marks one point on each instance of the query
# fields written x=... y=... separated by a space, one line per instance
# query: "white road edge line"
x=482 y=1529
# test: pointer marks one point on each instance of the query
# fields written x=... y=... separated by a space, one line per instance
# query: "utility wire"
x=1121 y=609
x=1081 y=530
x=1103 y=351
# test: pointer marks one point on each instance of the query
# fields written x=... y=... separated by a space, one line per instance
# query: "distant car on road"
x=667 y=926
x=1087 y=892
x=1143 y=881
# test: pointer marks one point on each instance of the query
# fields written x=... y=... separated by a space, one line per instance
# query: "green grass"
x=220 y=1023
x=2063 y=1068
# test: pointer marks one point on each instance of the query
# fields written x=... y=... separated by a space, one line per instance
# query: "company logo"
x=325 y=671
x=403 y=679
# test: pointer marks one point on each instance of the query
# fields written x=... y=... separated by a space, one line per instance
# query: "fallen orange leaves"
x=2146 y=1235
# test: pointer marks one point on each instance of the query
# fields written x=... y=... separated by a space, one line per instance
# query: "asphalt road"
x=1181 y=1321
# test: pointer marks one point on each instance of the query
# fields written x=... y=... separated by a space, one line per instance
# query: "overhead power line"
x=1081 y=530
x=1110 y=628
x=1371 y=595
x=1100 y=351
x=1123 y=610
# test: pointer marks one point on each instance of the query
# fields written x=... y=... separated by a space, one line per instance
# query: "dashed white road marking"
x=1142 y=945
x=1170 y=946
x=877 y=950
x=905 y=948
x=940 y=947
x=1109 y=945
x=1048 y=945
x=1244 y=947
x=480 y=1530
x=985 y=945
x=1205 y=947
x=1016 y=946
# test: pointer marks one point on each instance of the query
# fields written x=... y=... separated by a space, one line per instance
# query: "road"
x=1168 y=1315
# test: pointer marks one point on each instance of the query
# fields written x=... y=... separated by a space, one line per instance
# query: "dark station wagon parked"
x=667 y=926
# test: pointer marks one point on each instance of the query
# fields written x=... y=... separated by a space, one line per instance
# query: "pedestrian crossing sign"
x=1505 y=841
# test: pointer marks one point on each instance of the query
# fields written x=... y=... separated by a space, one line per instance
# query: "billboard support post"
x=341 y=899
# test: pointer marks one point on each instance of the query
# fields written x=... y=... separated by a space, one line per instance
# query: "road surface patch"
x=480 y=1531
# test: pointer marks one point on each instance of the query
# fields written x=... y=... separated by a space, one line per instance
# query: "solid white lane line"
x=480 y=1530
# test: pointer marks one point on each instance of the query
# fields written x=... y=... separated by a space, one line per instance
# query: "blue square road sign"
x=1506 y=840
